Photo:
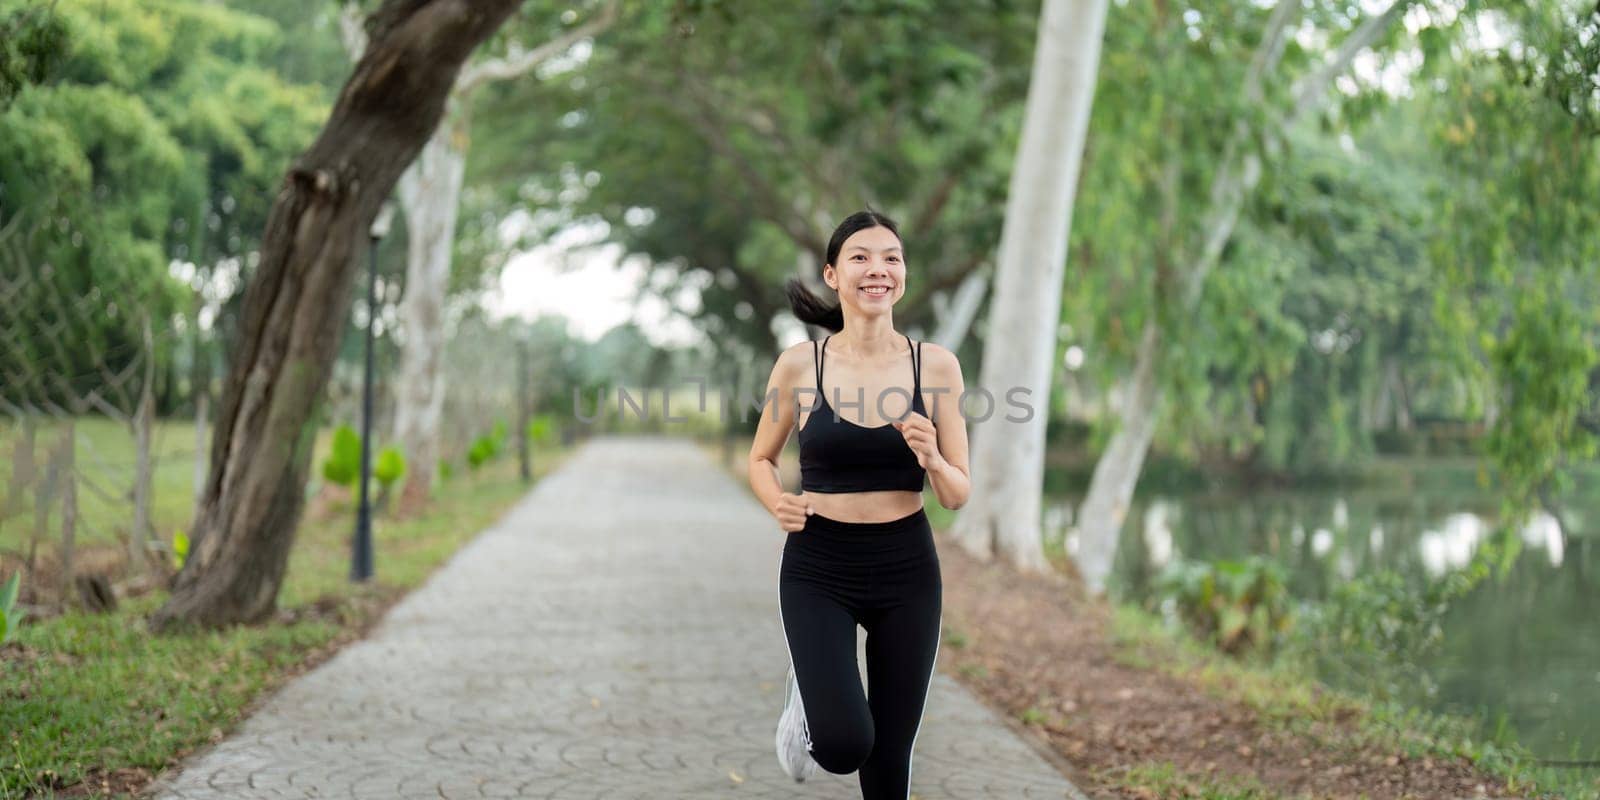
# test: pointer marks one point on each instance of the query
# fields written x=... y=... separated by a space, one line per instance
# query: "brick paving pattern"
x=615 y=635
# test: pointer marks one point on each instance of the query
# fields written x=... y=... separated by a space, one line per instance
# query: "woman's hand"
x=921 y=437
x=792 y=511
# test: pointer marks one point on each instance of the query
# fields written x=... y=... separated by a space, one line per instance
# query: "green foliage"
x=9 y=618
x=155 y=140
x=1319 y=316
x=1517 y=258
x=180 y=548
x=446 y=469
x=1380 y=625
x=1316 y=291
x=724 y=145
x=390 y=465
x=488 y=446
x=1239 y=606
x=1545 y=360
x=343 y=464
x=541 y=429
x=32 y=41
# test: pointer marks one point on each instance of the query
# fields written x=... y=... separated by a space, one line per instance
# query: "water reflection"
x=1544 y=531
x=1158 y=533
x=1451 y=546
x=1321 y=542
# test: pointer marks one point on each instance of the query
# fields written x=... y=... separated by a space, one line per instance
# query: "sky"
x=592 y=287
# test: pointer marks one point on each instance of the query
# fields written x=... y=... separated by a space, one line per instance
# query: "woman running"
x=858 y=547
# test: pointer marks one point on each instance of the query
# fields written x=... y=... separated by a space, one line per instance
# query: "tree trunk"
x=200 y=377
x=1116 y=473
x=1402 y=396
x=1019 y=350
x=298 y=301
x=956 y=314
x=430 y=195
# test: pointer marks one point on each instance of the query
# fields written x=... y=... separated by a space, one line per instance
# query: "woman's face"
x=871 y=273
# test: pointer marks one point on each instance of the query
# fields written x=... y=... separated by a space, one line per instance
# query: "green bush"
x=1380 y=625
x=9 y=616
x=1236 y=605
x=541 y=429
x=180 y=548
x=391 y=464
x=483 y=448
x=343 y=464
x=488 y=446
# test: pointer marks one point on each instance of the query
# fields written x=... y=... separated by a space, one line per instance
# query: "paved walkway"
x=615 y=635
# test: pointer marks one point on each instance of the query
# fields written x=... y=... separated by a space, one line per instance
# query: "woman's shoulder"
x=938 y=357
x=797 y=353
x=795 y=360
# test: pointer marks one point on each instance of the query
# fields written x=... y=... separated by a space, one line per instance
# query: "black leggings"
x=883 y=576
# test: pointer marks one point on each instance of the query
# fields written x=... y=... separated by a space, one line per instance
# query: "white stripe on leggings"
x=805 y=724
x=938 y=634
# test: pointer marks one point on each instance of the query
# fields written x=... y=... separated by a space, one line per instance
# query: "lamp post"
x=361 y=556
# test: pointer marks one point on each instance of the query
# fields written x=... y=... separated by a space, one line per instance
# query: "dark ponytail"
x=806 y=305
x=811 y=309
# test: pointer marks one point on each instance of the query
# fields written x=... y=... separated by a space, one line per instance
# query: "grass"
x=1162 y=781
x=1283 y=695
x=87 y=696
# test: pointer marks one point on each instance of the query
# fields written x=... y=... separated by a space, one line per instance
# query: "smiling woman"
x=859 y=549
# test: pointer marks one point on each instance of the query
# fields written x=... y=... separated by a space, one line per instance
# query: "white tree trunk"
x=430 y=194
x=1019 y=352
x=956 y=314
x=1117 y=472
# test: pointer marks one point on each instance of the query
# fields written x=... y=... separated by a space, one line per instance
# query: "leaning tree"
x=295 y=307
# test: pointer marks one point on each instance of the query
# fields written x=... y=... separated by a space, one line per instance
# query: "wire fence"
x=107 y=389
x=79 y=360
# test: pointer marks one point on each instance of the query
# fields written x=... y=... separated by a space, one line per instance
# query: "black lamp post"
x=361 y=556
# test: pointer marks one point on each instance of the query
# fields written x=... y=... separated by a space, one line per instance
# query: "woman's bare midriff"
x=878 y=506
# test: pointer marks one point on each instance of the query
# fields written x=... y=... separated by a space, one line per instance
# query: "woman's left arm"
x=941 y=444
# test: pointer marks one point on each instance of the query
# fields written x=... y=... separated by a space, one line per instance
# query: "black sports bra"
x=837 y=455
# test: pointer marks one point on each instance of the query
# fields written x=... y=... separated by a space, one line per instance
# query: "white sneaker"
x=794 y=738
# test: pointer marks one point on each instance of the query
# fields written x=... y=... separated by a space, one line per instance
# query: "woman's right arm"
x=777 y=420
